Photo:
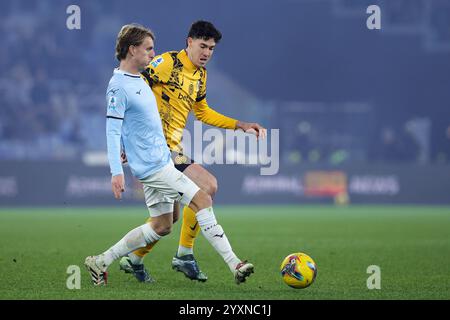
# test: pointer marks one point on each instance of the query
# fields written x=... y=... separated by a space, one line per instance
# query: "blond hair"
x=131 y=35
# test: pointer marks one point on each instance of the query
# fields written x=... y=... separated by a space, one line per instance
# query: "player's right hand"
x=118 y=185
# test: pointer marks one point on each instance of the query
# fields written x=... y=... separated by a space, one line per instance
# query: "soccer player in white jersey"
x=133 y=118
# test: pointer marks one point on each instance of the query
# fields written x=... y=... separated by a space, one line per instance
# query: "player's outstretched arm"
x=209 y=116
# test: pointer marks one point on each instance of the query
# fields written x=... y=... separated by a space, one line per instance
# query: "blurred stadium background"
x=361 y=112
x=364 y=118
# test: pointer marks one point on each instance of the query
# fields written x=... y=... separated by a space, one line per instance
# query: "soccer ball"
x=298 y=270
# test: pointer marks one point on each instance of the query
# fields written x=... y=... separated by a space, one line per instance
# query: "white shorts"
x=166 y=186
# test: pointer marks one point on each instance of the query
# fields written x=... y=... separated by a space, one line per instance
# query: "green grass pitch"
x=411 y=245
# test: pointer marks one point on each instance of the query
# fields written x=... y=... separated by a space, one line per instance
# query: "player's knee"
x=212 y=186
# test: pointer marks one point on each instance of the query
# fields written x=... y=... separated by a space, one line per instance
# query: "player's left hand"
x=253 y=128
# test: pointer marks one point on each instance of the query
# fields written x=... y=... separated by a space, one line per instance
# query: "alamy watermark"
x=374 y=280
x=214 y=146
x=374 y=20
x=73 y=281
x=73 y=21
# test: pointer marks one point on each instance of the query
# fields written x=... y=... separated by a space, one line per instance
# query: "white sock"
x=182 y=251
x=214 y=233
x=137 y=238
x=135 y=259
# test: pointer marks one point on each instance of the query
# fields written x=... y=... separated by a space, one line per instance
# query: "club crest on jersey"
x=157 y=61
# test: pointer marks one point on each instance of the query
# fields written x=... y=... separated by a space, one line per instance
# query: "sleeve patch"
x=157 y=61
x=112 y=103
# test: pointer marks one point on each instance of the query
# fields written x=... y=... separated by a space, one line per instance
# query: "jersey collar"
x=187 y=63
x=118 y=71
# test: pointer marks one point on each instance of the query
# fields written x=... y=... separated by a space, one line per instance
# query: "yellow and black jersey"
x=179 y=87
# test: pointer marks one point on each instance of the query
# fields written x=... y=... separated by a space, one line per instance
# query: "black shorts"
x=181 y=161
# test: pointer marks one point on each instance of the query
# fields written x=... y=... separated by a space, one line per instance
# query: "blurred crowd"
x=52 y=92
x=46 y=95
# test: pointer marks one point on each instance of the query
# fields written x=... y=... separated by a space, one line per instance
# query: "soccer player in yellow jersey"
x=178 y=80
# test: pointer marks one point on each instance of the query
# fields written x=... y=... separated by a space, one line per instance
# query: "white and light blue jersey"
x=133 y=118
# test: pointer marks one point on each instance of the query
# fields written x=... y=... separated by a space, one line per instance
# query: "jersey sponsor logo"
x=184 y=98
x=157 y=61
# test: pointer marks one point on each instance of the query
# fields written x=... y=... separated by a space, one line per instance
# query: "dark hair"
x=131 y=35
x=204 y=30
